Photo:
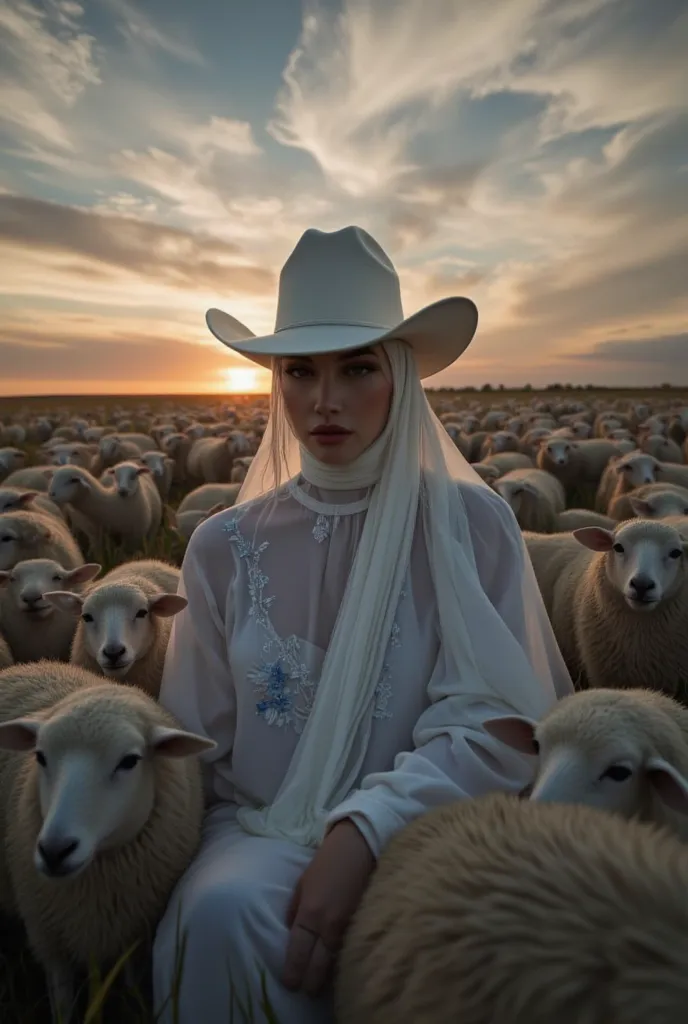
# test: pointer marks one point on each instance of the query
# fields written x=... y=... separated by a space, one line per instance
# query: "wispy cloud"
x=141 y=32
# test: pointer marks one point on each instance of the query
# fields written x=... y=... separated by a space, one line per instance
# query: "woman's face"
x=337 y=403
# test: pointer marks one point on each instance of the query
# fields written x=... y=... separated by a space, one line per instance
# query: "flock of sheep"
x=495 y=910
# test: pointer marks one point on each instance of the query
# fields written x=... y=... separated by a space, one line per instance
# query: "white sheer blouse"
x=264 y=582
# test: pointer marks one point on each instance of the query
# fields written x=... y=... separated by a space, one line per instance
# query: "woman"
x=351 y=623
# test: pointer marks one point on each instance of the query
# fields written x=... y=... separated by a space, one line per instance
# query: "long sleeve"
x=454 y=758
x=197 y=685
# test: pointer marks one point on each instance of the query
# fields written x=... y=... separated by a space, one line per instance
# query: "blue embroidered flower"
x=270 y=680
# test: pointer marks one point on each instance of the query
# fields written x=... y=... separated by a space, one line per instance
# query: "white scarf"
x=413 y=446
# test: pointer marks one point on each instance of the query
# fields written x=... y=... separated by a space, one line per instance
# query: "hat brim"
x=438 y=334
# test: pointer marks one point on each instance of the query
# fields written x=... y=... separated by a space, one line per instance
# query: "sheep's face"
x=96 y=764
x=67 y=484
x=110 y=446
x=19 y=539
x=28 y=582
x=600 y=756
x=127 y=478
x=558 y=450
x=155 y=462
x=65 y=455
x=238 y=443
x=513 y=491
x=504 y=441
x=119 y=623
x=581 y=430
x=660 y=504
x=645 y=562
x=11 y=459
x=662 y=448
x=636 y=469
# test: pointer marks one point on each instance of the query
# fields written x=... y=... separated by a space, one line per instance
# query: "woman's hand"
x=324 y=900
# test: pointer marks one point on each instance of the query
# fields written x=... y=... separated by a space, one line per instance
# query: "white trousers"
x=233 y=898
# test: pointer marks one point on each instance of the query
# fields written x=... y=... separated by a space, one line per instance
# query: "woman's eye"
x=296 y=371
x=360 y=370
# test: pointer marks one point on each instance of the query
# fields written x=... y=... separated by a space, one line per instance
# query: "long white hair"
x=416 y=476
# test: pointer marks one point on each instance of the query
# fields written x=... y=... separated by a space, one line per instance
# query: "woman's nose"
x=327 y=397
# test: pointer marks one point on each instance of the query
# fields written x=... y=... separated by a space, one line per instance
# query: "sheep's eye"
x=128 y=762
x=676 y=553
x=40 y=758
x=141 y=613
x=74 y=480
x=536 y=747
x=87 y=617
x=57 y=579
x=617 y=772
x=6 y=539
x=619 y=548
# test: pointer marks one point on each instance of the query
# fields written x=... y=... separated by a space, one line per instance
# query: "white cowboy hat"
x=339 y=290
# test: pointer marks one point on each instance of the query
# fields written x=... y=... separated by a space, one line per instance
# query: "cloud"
x=670 y=350
x=164 y=254
x=140 y=31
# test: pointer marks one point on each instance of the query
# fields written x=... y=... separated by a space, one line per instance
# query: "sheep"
x=208 y=495
x=125 y=622
x=35 y=535
x=500 y=911
x=618 y=607
x=574 y=518
x=535 y=496
x=500 y=441
x=33 y=627
x=504 y=462
x=623 y=751
x=663 y=448
x=485 y=472
x=91 y=862
x=623 y=474
x=11 y=459
x=575 y=463
x=162 y=470
x=37 y=478
x=128 y=511
x=14 y=499
x=6 y=658
x=241 y=465
x=671 y=473
x=76 y=454
x=178 y=447
x=654 y=501
x=184 y=523
x=211 y=458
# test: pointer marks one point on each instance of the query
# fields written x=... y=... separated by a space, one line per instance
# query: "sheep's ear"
x=83 y=573
x=177 y=742
x=668 y=783
x=143 y=469
x=529 y=488
x=26 y=498
x=19 y=734
x=595 y=538
x=641 y=507
x=167 y=604
x=48 y=473
x=514 y=731
x=65 y=601
x=4 y=578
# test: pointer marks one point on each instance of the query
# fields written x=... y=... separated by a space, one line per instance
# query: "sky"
x=159 y=157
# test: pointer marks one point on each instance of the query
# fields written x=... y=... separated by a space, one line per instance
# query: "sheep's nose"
x=31 y=599
x=113 y=652
x=55 y=852
x=642 y=585
x=123 y=492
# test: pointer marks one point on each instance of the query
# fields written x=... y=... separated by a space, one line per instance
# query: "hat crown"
x=338 y=277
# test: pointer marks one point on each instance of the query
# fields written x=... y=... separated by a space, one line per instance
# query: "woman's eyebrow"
x=356 y=352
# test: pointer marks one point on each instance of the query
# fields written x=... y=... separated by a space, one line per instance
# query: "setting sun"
x=242 y=379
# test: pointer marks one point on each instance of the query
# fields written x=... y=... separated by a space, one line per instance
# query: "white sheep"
x=663 y=448
x=184 y=523
x=14 y=499
x=36 y=535
x=576 y=463
x=33 y=626
x=11 y=459
x=505 y=462
x=671 y=473
x=618 y=604
x=535 y=496
x=206 y=496
x=74 y=454
x=37 y=478
x=575 y=518
x=623 y=751
x=240 y=468
x=99 y=824
x=625 y=473
x=504 y=911
x=126 y=511
x=654 y=501
x=162 y=470
x=124 y=622
x=211 y=458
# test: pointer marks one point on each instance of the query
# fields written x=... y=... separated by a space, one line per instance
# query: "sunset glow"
x=244 y=380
